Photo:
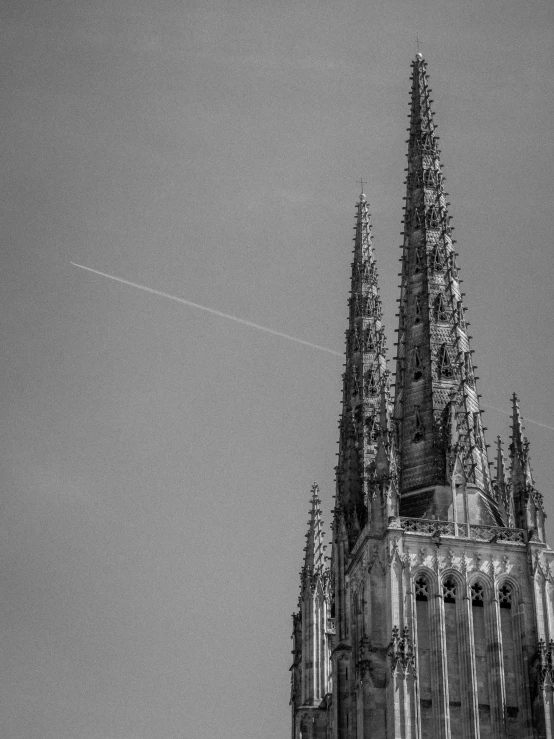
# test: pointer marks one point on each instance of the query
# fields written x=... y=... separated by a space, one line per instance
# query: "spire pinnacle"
x=314 y=560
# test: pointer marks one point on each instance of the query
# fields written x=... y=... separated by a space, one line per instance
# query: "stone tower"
x=434 y=617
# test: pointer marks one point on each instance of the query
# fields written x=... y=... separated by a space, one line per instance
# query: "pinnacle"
x=315 y=548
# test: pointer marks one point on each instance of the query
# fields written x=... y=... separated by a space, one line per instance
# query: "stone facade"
x=434 y=617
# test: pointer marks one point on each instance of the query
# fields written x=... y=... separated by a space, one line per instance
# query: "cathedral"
x=433 y=617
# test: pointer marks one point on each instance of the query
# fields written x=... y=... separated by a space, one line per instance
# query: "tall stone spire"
x=436 y=403
x=364 y=380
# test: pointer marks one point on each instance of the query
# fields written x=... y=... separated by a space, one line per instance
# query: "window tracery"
x=421 y=589
x=449 y=590
x=477 y=595
x=505 y=596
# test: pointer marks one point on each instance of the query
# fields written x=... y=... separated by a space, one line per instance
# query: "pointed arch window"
x=445 y=365
x=433 y=217
x=441 y=313
x=372 y=430
x=355 y=340
x=401 y=318
x=419 y=430
x=460 y=313
x=429 y=178
x=477 y=595
x=417 y=310
x=449 y=590
x=437 y=259
x=357 y=306
x=505 y=594
x=401 y=377
x=369 y=342
x=417 y=219
x=468 y=369
x=371 y=382
x=355 y=381
x=427 y=142
x=477 y=429
x=421 y=589
x=417 y=262
x=418 y=368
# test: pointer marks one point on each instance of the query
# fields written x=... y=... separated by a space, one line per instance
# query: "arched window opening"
x=418 y=370
x=433 y=217
x=369 y=343
x=437 y=259
x=505 y=596
x=371 y=382
x=419 y=430
x=417 y=262
x=429 y=178
x=441 y=313
x=460 y=313
x=468 y=369
x=355 y=381
x=477 y=595
x=417 y=316
x=445 y=365
x=372 y=430
x=478 y=436
x=449 y=590
x=421 y=589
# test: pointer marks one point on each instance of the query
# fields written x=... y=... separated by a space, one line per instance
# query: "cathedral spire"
x=364 y=380
x=435 y=384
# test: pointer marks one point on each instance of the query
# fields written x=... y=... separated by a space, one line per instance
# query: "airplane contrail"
x=254 y=325
x=523 y=418
x=208 y=310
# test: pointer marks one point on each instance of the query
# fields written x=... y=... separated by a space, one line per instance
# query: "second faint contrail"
x=208 y=310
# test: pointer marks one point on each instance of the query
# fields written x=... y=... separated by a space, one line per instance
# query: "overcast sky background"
x=156 y=459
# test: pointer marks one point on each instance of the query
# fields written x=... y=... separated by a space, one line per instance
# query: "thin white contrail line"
x=523 y=418
x=255 y=325
x=209 y=310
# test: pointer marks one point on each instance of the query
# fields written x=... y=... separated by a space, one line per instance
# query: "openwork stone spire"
x=365 y=381
x=436 y=403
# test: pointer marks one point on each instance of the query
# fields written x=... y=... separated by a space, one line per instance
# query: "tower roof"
x=435 y=383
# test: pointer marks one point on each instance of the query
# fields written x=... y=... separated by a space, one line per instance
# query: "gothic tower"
x=434 y=618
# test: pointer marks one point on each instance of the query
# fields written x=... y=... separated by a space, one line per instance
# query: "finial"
x=418 y=56
x=362 y=193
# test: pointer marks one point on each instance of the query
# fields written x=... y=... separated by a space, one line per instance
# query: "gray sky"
x=157 y=459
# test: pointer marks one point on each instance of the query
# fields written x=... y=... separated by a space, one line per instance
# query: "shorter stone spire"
x=314 y=559
x=528 y=504
x=365 y=371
